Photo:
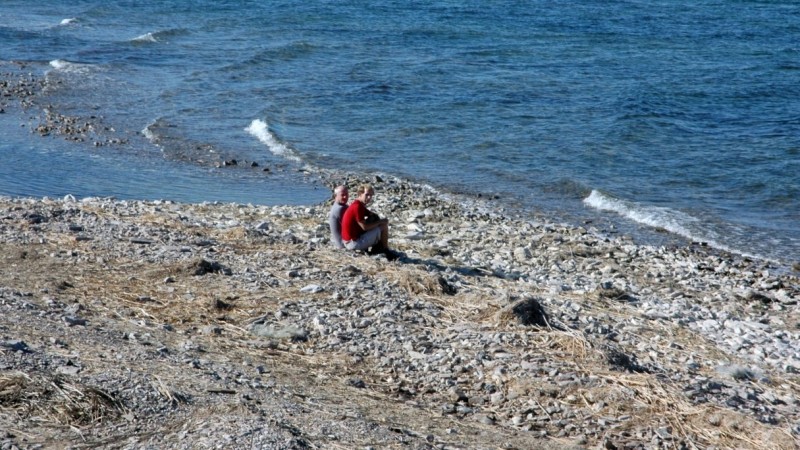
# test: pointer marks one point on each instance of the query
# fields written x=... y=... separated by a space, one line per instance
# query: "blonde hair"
x=364 y=188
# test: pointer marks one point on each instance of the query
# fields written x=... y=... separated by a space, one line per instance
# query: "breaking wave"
x=69 y=67
x=147 y=37
x=259 y=129
x=148 y=133
x=158 y=36
x=677 y=222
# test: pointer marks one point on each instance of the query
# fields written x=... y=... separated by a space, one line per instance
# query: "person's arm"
x=370 y=220
x=371 y=217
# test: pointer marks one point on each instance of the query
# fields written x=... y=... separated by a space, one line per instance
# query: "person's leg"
x=385 y=236
x=366 y=240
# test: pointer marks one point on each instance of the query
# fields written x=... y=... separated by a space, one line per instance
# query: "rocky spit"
x=23 y=91
x=133 y=324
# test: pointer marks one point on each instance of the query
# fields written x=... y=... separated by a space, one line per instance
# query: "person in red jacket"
x=361 y=228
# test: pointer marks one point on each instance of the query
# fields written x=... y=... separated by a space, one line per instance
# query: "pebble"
x=74 y=321
x=312 y=289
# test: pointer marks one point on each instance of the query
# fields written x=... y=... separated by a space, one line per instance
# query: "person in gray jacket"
x=340 y=197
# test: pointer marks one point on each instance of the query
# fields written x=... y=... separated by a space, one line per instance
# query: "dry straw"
x=55 y=400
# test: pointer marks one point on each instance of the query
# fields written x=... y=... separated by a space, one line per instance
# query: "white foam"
x=653 y=216
x=69 y=21
x=149 y=134
x=676 y=222
x=59 y=64
x=259 y=129
x=66 y=66
x=147 y=37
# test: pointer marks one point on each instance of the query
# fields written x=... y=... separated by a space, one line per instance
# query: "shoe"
x=376 y=249
x=392 y=255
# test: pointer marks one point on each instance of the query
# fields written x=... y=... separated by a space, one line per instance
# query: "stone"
x=68 y=370
x=497 y=398
x=736 y=372
x=455 y=395
x=486 y=419
x=530 y=312
x=203 y=267
x=357 y=383
x=15 y=346
x=73 y=321
x=522 y=254
x=290 y=332
x=312 y=289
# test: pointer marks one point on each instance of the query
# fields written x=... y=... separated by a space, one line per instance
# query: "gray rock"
x=290 y=332
x=68 y=370
x=16 y=346
x=312 y=289
x=73 y=321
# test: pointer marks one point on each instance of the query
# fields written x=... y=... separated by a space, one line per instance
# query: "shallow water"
x=43 y=167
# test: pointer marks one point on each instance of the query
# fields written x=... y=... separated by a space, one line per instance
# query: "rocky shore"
x=130 y=324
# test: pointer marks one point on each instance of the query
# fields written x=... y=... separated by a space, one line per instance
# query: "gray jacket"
x=335 y=223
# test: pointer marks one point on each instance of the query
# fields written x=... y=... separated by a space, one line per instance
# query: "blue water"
x=678 y=115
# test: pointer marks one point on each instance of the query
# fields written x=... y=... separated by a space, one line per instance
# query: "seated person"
x=340 y=197
x=361 y=228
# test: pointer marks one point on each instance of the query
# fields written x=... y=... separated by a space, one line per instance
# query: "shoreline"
x=167 y=324
x=23 y=90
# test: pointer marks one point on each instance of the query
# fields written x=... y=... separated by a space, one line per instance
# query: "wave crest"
x=676 y=222
x=150 y=135
x=157 y=36
x=147 y=37
x=259 y=129
x=649 y=215
x=69 y=67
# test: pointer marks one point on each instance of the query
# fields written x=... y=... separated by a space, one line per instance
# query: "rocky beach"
x=156 y=324
x=132 y=324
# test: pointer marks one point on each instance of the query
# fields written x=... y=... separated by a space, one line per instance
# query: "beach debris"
x=204 y=266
